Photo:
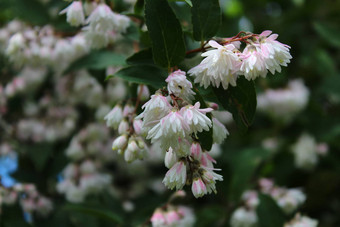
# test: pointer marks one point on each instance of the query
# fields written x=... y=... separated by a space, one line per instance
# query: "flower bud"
x=119 y=143
x=123 y=127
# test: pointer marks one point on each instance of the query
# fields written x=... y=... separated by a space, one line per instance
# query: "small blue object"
x=8 y=165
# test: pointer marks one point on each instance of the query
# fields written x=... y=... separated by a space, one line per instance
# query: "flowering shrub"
x=167 y=113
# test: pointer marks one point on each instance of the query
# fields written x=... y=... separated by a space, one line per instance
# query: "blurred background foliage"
x=311 y=28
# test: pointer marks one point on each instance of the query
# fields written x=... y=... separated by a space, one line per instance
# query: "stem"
x=233 y=39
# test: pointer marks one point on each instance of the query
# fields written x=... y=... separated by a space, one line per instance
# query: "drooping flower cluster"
x=306 y=152
x=287 y=199
x=170 y=119
x=129 y=143
x=102 y=25
x=283 y=104
x=226 y=62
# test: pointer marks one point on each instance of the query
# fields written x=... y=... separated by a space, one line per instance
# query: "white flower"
x=198 y=188
x=176 y=176
x=103 y=26
x=170 y=158
x=253 y=63
x=251 y=199
x=220 y=66
x=75 y=14
x=131 y=151
x=210 y=177
x=220 y=132
x=284 y=104
x=119 y=143
x=114 y=117
x=123 y=127
x=154 y=109
x=15 y=44
x=180 y=86
x=169 y=129
x=302 y=221
x=243 y=218
x=305 y=152
x=291 y=200
x=196 y=118
x=88 y=167
x=275 y=53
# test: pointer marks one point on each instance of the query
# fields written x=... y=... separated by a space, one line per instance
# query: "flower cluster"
x=30 y=200
x=283 y=104
x=306 y=152
x=287 y=199
x=170 y=119
x=41 y=46
x=129 y=143
x=80 y=180
x=302 y=221
x=102 y=25
x=170 y=215
x=226 y=62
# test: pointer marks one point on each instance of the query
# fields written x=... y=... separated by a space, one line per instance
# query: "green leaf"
x=32 y=11
x=244 y=164
x=240 y=101
x=205 y=137
x=330 y=33
x=143 y=74
x=143 y=57
x=268 y=212
x=206 y=18
x=97 y=60
x=139 y=7
x=97 y=212
x=39 y=154
x=166 y=34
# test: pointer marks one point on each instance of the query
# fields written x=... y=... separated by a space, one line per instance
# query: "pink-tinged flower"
x=169 y=129
x=251 y=199
x=253 y=62
x=176 y=176
x=220 y=132
x=275 y=53
x=207 y=160
x=75 y=14
x=302 y=221
x=119 y=143
x=196 y=118
x=170 y=158
x=196 y=150
x=172 y=218
x=114 y=117
x=137 y=126
x=128 y=110
x=158 y=218
x=180 y=86
x=198 y=188
x=221 y=66
x=209 y=177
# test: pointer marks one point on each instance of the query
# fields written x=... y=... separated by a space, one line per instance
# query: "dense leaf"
x=33 y=11
x=97 y=212
x=143 y=74
x=206 y=18
x=244 y=164
x=240 y=101
x=268 y=212
x=143 y=57
x=166 y=34
x=330 y=33
x=97 y=60
x=39 y=154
